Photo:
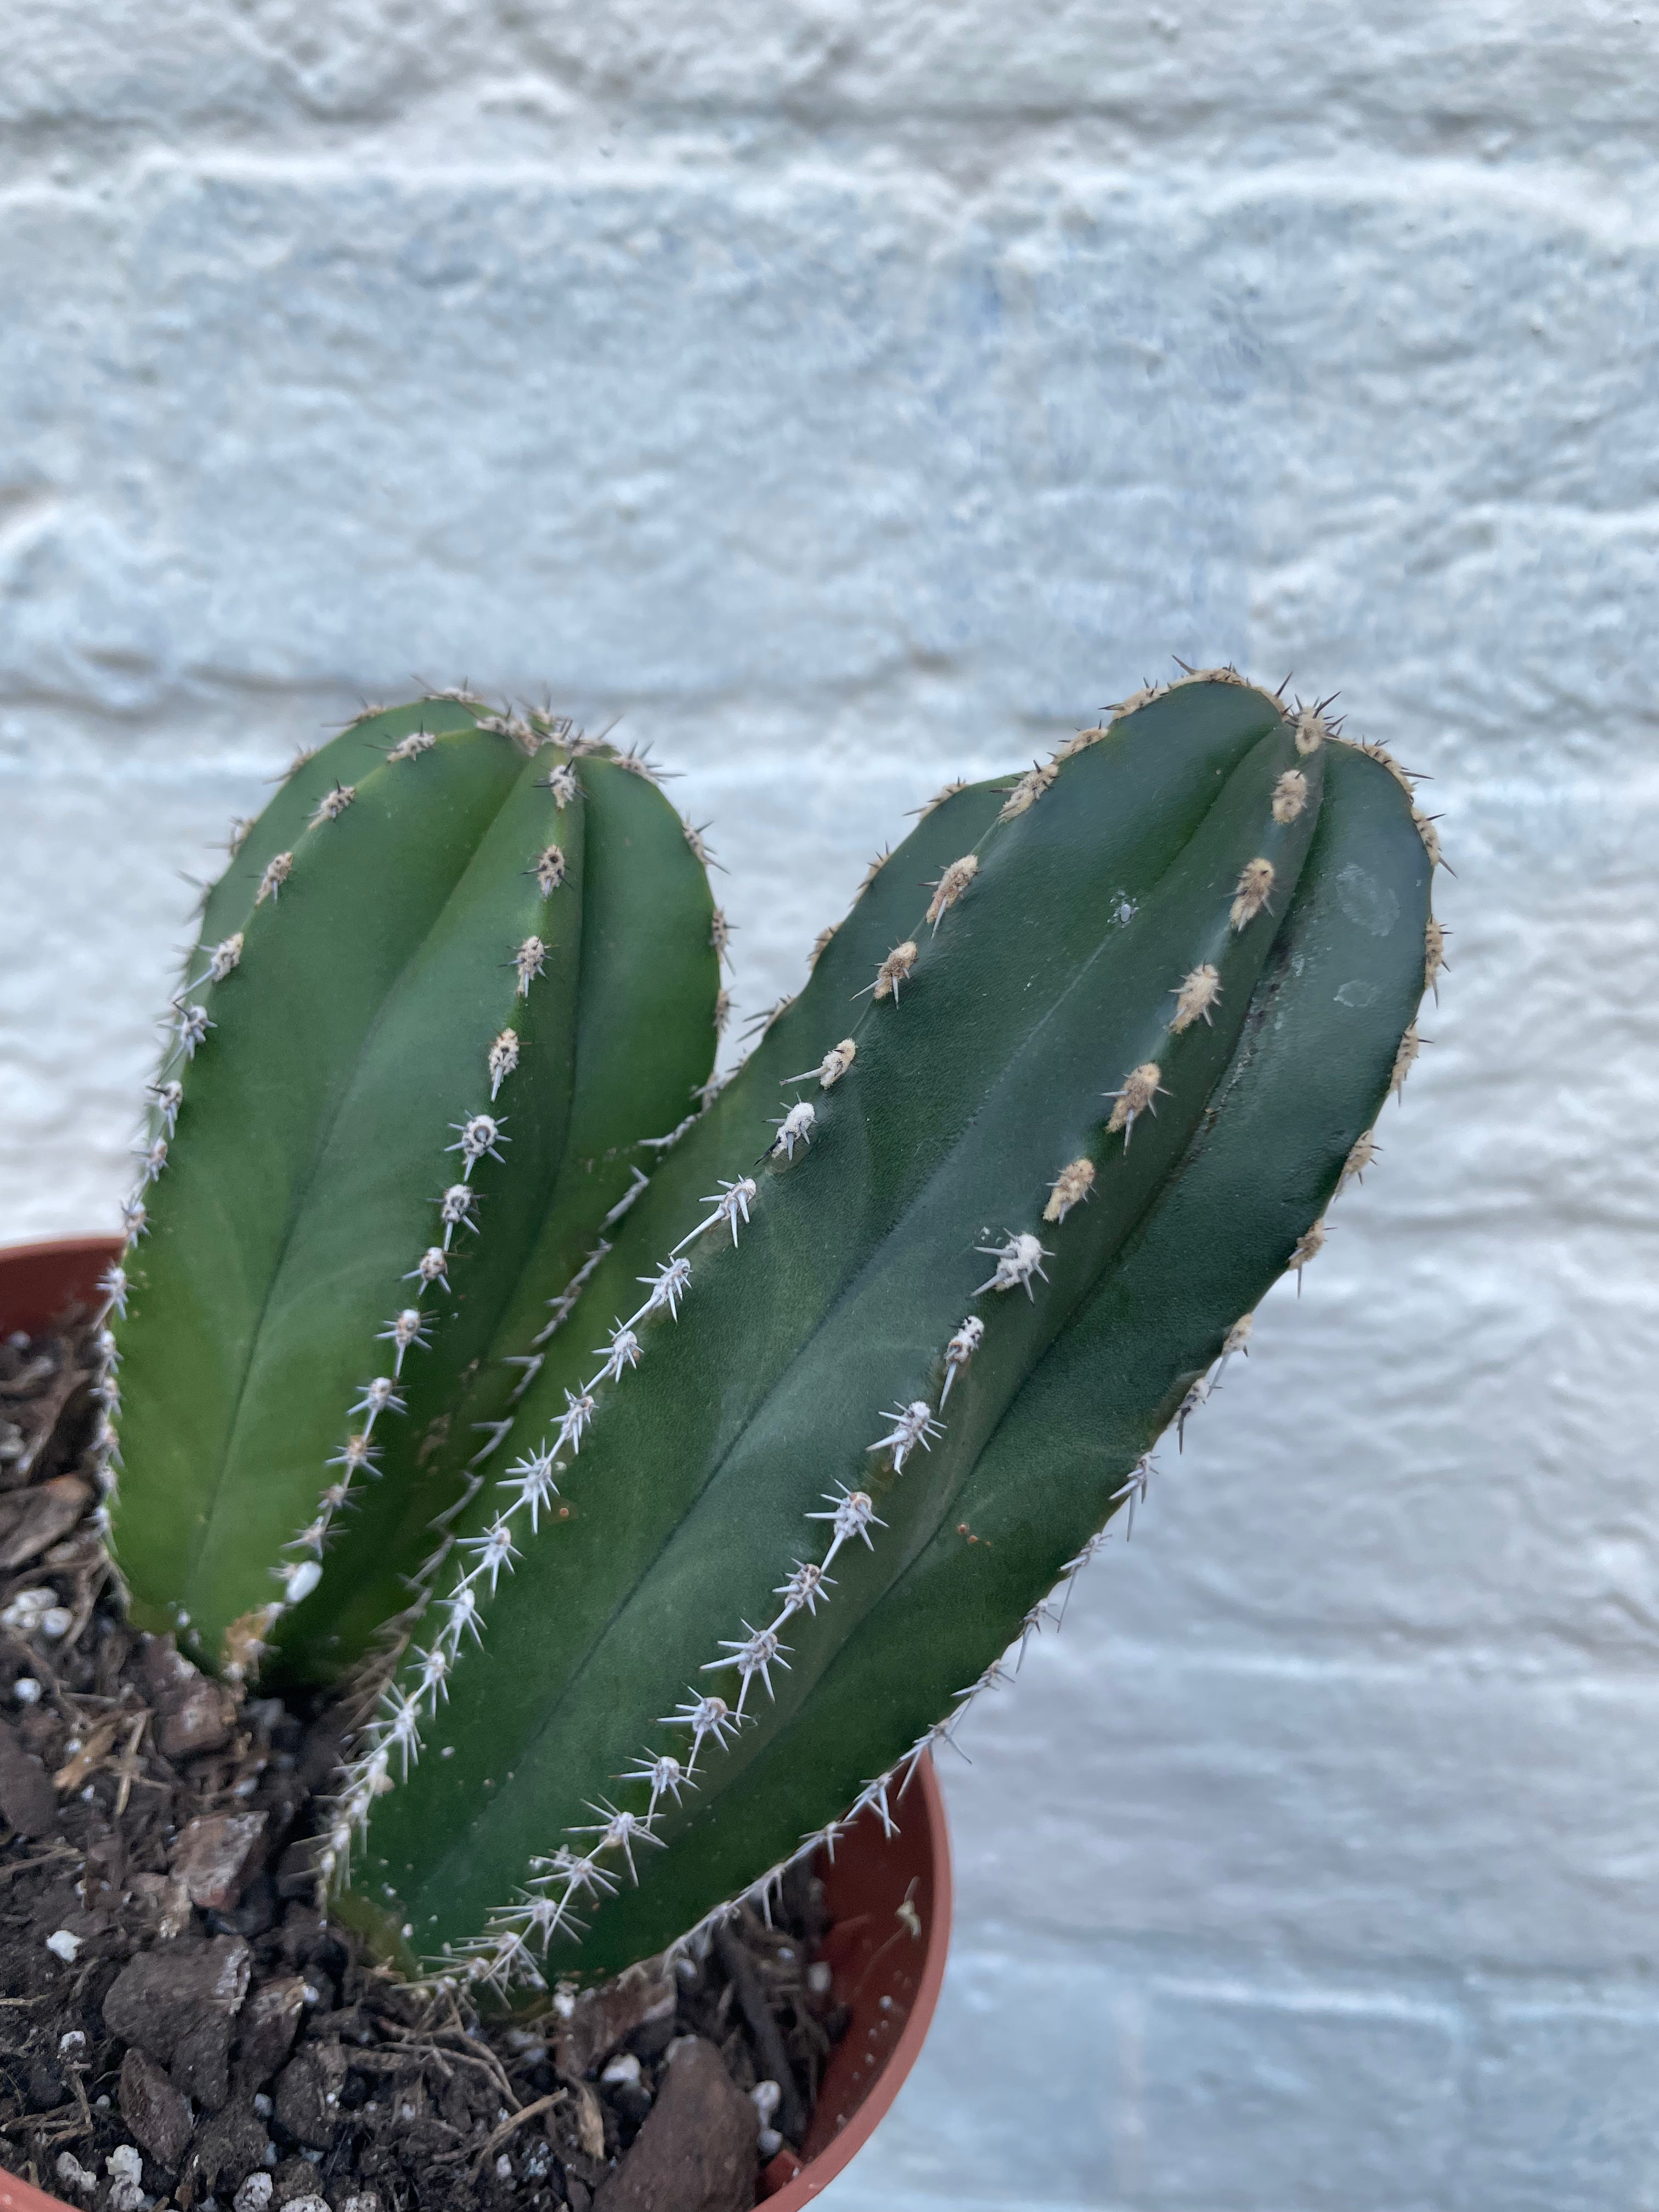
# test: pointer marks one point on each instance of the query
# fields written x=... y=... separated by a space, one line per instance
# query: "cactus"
x=891 y=1333
x=455 y=973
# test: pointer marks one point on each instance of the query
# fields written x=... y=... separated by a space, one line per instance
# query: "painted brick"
x=857 y=395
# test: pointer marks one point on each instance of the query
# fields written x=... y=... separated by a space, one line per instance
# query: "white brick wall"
x=856 y=395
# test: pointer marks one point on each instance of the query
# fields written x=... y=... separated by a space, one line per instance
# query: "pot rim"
x=63 y=1268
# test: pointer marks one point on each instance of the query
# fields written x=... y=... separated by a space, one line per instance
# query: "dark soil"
x=180 y=2025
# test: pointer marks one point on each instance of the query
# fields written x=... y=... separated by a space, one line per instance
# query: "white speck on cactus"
x=1309 y=1246
x=356 y=1455
x=477 y=1137
x=1405 y=1059
x=620 y=1831
x=625 y=1350
x=664 y=1775
x=852 y=1513
x=224 y=958
x=578 y=1412
x=1018 y=1261
x=960 y=1349
x=460 y=1612
x=795 y=1128
x=1142 y=1087
x=667 y=1287
x=1030 y=789
x=532 y=1479
x=1256 y=884
x=455 y=1208
x=831 y=1068
x=1070 y=1187
x=300 y=1577
x=432 y=1266
x=806 y=1585
x=704 y=1717
x=1189 y=1405
x=912 y=1425
x=332 y=804
x=1135 y=1491
x=951 y=885
x=1290 y=795
x=277 y=871
x=757 y=1651
x=378 y=1396
x=503 y=1058
x=492 y=1551
x=731 y=1204
x=405 y=1329
x=1195 y=995
x=1311 y=727
x=529 y=960
x=893 y=970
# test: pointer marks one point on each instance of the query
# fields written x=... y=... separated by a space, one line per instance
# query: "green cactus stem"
x=890 y=1333
x=404 y=1075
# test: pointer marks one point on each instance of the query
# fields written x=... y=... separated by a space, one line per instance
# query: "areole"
x=888 y=1896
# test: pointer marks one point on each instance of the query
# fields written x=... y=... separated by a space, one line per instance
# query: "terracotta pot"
x=888 y=1896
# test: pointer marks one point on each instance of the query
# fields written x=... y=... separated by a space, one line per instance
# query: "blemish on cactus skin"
x=949 y=886
x=1255 y=883
x=1195 y=995
x=1290 y=795
x=893 y=970
x=279 y=869
x=1070 y=1187
x=1142 y=1087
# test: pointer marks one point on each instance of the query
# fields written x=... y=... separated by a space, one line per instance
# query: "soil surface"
x=180 y=2025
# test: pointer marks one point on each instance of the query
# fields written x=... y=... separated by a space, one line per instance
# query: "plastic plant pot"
x=888 y=1896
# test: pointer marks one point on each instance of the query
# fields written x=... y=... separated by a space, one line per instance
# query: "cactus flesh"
x=890 y=1334
x=453 y=975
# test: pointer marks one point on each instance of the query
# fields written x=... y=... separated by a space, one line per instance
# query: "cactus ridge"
x=1044 y=1049
x=381 y=1005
